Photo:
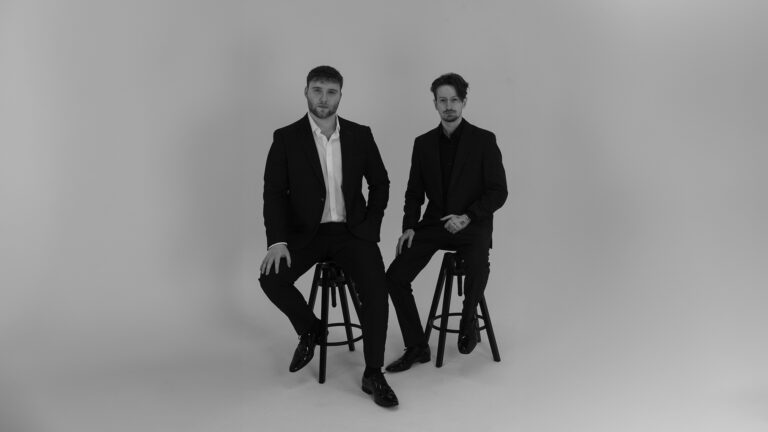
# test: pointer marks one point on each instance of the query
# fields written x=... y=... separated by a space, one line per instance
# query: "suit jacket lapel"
x=462 y=153
x=435 y=158
x=308 y=143
x=346 y=141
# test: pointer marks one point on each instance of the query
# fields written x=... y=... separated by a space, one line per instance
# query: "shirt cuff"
x=277 y=243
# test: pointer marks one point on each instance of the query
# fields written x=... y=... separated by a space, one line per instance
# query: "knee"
x=477 y=265
x=269 y=283
x=397 y=282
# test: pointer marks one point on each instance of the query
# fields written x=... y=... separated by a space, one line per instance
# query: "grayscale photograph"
x=439 y=215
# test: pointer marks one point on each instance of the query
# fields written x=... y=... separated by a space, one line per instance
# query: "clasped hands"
x=453 y=224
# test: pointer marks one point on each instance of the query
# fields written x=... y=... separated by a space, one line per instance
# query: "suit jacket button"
x=322 y=198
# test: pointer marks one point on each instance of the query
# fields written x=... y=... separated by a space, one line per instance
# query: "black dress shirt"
x=448 y=146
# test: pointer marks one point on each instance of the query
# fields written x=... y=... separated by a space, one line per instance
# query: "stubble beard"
x=450 y=117
x=331 y=110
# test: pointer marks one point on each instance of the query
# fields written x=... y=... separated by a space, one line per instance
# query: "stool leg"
x=324 y=332
x=444 y=320
x=313 y=291
x=435 y=301
x=489 y=329
x=345 y=313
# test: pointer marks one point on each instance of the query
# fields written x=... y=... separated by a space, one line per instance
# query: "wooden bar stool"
x=453 y=266
x=330 y=278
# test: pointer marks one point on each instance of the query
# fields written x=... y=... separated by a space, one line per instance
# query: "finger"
x=446 y=217
x=262 y=266
x=410 y=241
x=269 y=265
x=277 y=264
x=399 y=245
x=288 y=257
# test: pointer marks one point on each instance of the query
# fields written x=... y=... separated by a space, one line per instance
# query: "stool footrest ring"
x=437 y=326
x=344 y=342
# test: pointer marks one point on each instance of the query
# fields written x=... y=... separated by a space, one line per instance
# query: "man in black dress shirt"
x=458 y=167
x=314 y=210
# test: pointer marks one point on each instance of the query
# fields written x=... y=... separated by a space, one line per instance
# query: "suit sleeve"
x=276 y=191
x=494 y=183
x=414 y=193
x=378 y=182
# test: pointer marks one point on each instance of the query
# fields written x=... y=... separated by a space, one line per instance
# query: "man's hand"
x=455 y=223
x=274 y=254
x=406 y=236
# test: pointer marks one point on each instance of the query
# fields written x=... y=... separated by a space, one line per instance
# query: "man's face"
x=448 y=104
x=323 y=98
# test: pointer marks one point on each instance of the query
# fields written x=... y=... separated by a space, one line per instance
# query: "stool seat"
x=453 y=267
x=332 y=281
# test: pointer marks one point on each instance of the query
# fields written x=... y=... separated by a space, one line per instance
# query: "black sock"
x=371 y=371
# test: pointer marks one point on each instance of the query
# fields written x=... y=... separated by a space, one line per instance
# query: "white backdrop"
x=632 y=248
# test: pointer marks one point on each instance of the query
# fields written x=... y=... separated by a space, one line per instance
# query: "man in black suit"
x=458 y=167
x=314 y=210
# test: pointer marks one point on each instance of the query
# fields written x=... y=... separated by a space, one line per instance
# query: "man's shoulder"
x=293 y=126
x=350 y=125
x=428 y=135
x=478 y=132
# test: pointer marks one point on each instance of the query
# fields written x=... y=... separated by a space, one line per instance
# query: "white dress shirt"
x=329 y=152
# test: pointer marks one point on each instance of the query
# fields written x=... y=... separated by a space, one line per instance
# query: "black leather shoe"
x=305 y=350
x=381 y=391
x=412 y=355
x=467 y=336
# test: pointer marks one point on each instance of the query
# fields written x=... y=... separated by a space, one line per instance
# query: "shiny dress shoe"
x=412 y=355
x=305 y=350
x=381 y=391
x=468 y=336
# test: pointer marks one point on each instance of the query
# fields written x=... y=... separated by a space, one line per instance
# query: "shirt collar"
x=456 y=132
x=316 y=129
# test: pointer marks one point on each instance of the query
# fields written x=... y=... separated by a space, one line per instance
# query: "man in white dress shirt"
x=314 y=210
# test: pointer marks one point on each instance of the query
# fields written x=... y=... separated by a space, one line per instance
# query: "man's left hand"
x=455 y=223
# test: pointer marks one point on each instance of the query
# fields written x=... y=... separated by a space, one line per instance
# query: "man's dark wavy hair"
x=454 y=80
x=325 y=73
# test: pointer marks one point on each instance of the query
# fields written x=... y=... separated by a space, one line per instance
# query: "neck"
x=449 y=127
x=326 y=124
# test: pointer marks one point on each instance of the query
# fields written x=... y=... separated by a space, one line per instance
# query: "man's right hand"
x=407 y=236
x=274 y=254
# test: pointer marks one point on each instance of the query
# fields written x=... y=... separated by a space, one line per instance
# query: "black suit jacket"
x=294 y=187
x=477 y=187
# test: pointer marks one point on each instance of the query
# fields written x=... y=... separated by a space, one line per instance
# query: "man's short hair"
x=326 y=73
x=454 y=80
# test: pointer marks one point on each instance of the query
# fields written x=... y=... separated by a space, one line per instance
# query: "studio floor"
x=232 y=378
